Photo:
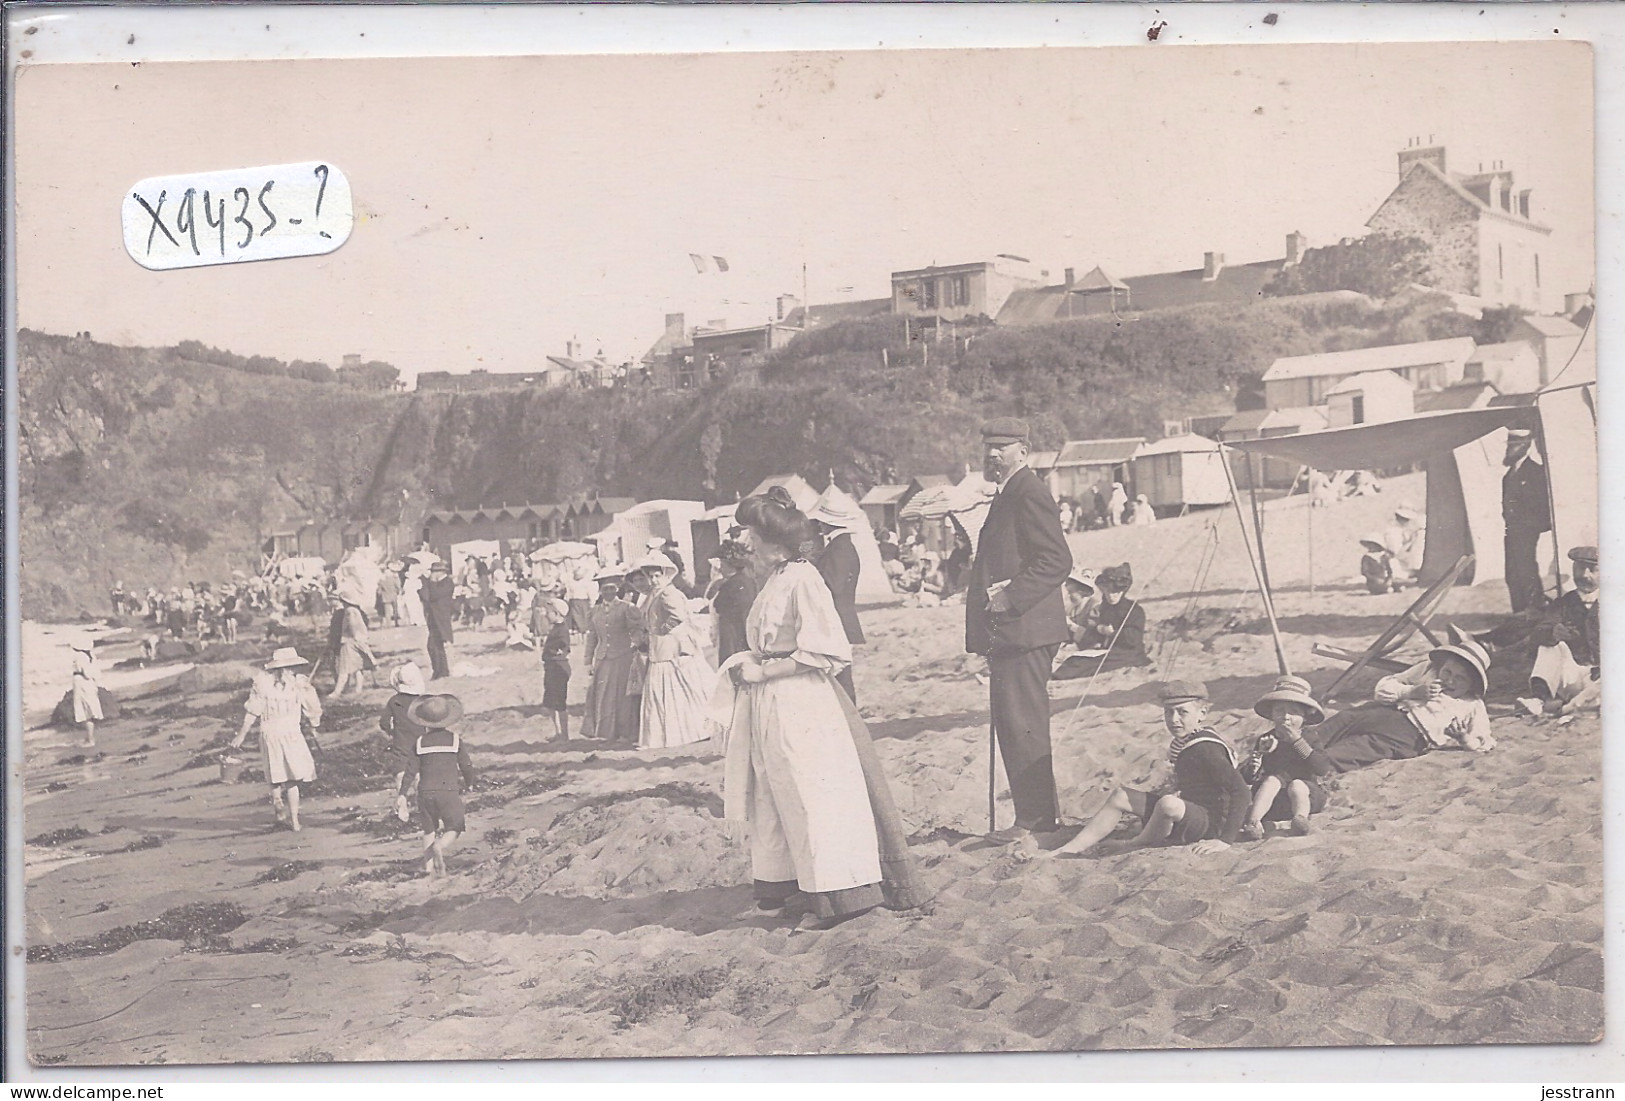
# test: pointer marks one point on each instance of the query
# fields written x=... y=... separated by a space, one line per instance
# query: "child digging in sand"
x=1205 y=808
x=441 y=765
x=1284 y=768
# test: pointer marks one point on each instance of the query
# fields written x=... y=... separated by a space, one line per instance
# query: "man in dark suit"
x=1526 y=509
x=835 y=515
x=1015 y=616
x=437 y=612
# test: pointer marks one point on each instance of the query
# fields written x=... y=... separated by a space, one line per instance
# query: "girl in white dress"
x=87 y=687
x=279 y=701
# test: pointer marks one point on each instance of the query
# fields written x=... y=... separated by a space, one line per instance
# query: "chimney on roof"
x=1433 y=154
x=674 y=325
x=1295 y=243
x=1497 y=197
x=1071 y=279
x=787 y=304
x=571 y=348
x=1212 y=265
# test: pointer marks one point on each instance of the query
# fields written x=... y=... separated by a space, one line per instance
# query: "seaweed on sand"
x=61 y=836
x=193 y=923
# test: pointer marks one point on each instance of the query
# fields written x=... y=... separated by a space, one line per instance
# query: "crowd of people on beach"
x=779 y=706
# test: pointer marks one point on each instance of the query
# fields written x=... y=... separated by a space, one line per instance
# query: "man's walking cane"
x=992 y=768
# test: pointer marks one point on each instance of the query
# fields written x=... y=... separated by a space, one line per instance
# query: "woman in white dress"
x=800 y=768
x=678 y=681
x=279 y=701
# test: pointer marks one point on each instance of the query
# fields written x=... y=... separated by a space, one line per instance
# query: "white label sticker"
x=237 y=215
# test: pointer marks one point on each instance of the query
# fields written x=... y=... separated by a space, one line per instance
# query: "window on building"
x=928 y=294
x=1500 y=262
x=1359 y=409
x=1537 y=269
x=960 y=286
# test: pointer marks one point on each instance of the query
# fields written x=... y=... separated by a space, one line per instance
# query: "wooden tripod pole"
x=1258 y=573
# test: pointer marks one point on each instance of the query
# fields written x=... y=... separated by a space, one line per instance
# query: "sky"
x=506 y=206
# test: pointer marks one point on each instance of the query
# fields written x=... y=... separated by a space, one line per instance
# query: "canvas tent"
x=626 y=537
x=1462 y=451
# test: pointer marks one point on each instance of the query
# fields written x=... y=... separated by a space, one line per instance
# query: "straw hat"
x=1083 y=578
x=1373 y=540
x=285 y=657
x=1180 y=691
x=1471 y=651
x=1292 y=690
x=434 y=711
x=1405 y=512
x=408 y=680
x=656 y=561
x=837 y=509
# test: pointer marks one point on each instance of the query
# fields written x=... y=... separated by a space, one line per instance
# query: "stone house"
x=1481 y=237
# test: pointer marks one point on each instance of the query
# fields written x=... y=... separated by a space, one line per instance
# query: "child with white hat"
x=407 y=680
x=1284 y=768
x=280 y=701
x=87 y=687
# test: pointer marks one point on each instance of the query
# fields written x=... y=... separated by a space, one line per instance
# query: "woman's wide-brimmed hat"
x=733 y=550
x=434 y=711
x=1116 y=578
x=408 y=679
x=85 y=644
x=285 y=657
x=1472 y=652
x=656 y=561
x=1373 y=540
x=1292 y=690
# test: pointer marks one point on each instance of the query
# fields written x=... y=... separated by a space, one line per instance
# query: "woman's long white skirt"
x=676 y=699
x=810 y=817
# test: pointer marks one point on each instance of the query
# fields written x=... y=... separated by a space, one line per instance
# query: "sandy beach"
x=597 y=907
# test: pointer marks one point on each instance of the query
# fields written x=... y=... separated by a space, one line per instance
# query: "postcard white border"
x=130 y=33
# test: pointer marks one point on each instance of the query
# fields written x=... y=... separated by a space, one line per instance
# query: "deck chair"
x=1411 y=621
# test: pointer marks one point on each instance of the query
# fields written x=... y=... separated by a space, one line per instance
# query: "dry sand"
x=596 y=907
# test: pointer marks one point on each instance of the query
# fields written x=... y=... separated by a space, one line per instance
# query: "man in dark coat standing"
x=437 y=612
x=1015 y=616
x=1526 y=508
x=839 y=565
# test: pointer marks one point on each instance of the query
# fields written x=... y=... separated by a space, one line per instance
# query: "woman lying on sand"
x=798 y=764
x=1435 y=704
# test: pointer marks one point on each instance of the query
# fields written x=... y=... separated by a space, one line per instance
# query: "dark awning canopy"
x=1391 y=443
